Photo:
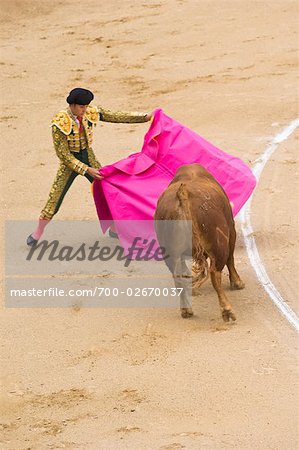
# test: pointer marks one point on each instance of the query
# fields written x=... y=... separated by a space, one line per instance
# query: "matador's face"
x=78 y=110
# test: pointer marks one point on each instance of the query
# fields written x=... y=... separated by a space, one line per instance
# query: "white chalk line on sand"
x=247 y=229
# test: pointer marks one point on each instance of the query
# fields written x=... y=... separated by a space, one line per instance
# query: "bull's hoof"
x=237 y=285
x=227 y=314
x=186 y=312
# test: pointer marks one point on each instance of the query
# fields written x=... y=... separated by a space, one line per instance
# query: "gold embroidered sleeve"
x=121 y=116
x=93 y=159
x=62 y=150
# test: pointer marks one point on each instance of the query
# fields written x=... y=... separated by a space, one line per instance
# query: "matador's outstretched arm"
x=107 y=115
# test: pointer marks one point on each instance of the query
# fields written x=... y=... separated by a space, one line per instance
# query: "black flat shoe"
x=112 y=234
x=31 y=241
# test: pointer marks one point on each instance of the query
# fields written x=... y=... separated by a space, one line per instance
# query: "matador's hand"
x=94 y=173
x=149 y=116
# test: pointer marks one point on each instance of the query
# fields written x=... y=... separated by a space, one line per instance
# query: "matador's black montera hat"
x=80 y=96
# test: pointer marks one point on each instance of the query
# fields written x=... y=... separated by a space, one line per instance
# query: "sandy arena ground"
x=147 y=379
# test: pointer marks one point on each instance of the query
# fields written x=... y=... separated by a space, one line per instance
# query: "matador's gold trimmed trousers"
x=63 y=181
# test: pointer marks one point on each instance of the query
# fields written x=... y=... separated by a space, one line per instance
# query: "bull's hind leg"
x=186 y=295
x=234 y=278
x=183 y=280
x=226 y=308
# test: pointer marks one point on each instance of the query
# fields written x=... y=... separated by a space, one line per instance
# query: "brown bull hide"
x=195 y=195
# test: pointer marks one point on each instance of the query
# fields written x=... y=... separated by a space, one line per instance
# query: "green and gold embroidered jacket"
x=68 y=141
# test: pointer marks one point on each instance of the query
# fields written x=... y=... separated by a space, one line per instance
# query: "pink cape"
x=131 y=187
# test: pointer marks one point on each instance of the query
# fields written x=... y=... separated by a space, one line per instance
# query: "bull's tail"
x=182 y=192
x=200 y=265
x=201 y=272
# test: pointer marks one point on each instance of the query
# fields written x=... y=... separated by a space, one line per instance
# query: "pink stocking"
x=42 y=223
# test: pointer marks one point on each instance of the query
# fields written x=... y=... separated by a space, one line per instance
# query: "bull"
x=194 y=195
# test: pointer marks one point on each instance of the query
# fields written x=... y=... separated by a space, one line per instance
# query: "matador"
x=72 y=132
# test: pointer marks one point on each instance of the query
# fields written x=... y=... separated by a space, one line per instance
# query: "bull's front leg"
x=234 y=278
